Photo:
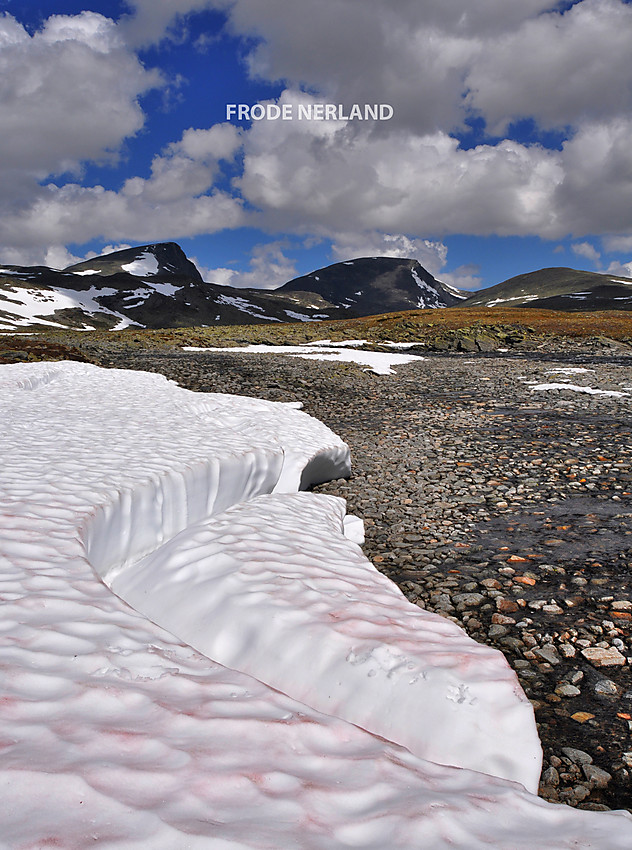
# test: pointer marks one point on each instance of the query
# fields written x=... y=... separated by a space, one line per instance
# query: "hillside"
x=150 y=286
x=558 y=289
x=157 y=286
x=371 y=285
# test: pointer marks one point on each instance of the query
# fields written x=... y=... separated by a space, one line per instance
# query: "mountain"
x=157 y=286
x=371 y=285
x=558 y=289
x=150 y=286
x=161 y=259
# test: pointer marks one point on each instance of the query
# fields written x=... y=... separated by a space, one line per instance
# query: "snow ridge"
x=117 y=735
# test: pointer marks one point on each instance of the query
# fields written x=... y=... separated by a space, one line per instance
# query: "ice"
x=453 y=290
x=116 y=734
x=514 y=298
x=145 y=263
x=164 y=288
x=375 y=361
x=146 y=291
x=569 y=370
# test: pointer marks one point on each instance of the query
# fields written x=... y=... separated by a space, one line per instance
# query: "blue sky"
x=508 y=149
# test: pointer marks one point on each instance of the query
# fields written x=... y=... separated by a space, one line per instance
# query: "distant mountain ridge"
x=560 y=288
x=157 y=286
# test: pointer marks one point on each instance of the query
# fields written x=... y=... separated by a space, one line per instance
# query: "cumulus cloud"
x=585 y=249
x=328 y=175
x=595 y=194
x=407 y=54
x=151 y=21
x=59 y=257
x=431 y=255
x=52 y=124
x=556 y=68
x=615 y=244
x=73 y=213
x=269 y=268
x=439 y=62
x=466 y=277
x=177 y=200
x=620 y=269
x=186 y=168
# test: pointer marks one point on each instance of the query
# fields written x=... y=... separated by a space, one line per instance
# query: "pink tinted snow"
x=114 y=733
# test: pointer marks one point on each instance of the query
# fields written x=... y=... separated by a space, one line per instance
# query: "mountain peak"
x=159 y=258
x=371 y=285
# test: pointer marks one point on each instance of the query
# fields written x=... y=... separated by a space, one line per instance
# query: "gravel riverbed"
x=501 y=506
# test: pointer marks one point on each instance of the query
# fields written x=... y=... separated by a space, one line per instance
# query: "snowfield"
x=379 y=362
x=116 y=733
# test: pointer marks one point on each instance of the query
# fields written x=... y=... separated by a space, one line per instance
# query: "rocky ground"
x=504 y=508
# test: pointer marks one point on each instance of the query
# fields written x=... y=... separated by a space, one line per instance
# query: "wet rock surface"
x=506 y=509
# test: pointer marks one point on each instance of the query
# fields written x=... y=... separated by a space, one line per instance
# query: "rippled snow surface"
x=116 y=733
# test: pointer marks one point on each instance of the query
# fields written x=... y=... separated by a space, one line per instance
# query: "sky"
x=506 y=150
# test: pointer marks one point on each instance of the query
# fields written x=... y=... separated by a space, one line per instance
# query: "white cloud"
x=463 y=277
x=585 y=249
x=431 y=255
x=269 y=268
x=177 y=200
x=353 y=183
x=150 y=21
x=68 y=94
x=59 y=257
x=620 y=269
x=341 y=179
x=72 y=213
x=187 y=168
x=595 y=194
x=410 y=53
x=616 y=244
x=560 y=69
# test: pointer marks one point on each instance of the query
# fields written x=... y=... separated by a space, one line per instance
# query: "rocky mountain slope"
x=372 y=285
x=558 y=289
x=154 y=286
x=157 y=286
x=151 y=286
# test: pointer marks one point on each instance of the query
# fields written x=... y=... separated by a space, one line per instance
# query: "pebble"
x=603 y=656
x=597 y=777
x=606 y=687
x=565 y=689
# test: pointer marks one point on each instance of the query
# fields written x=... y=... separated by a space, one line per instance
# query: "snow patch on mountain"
x=146 y=263
x=245 y=307
x=33 y=305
